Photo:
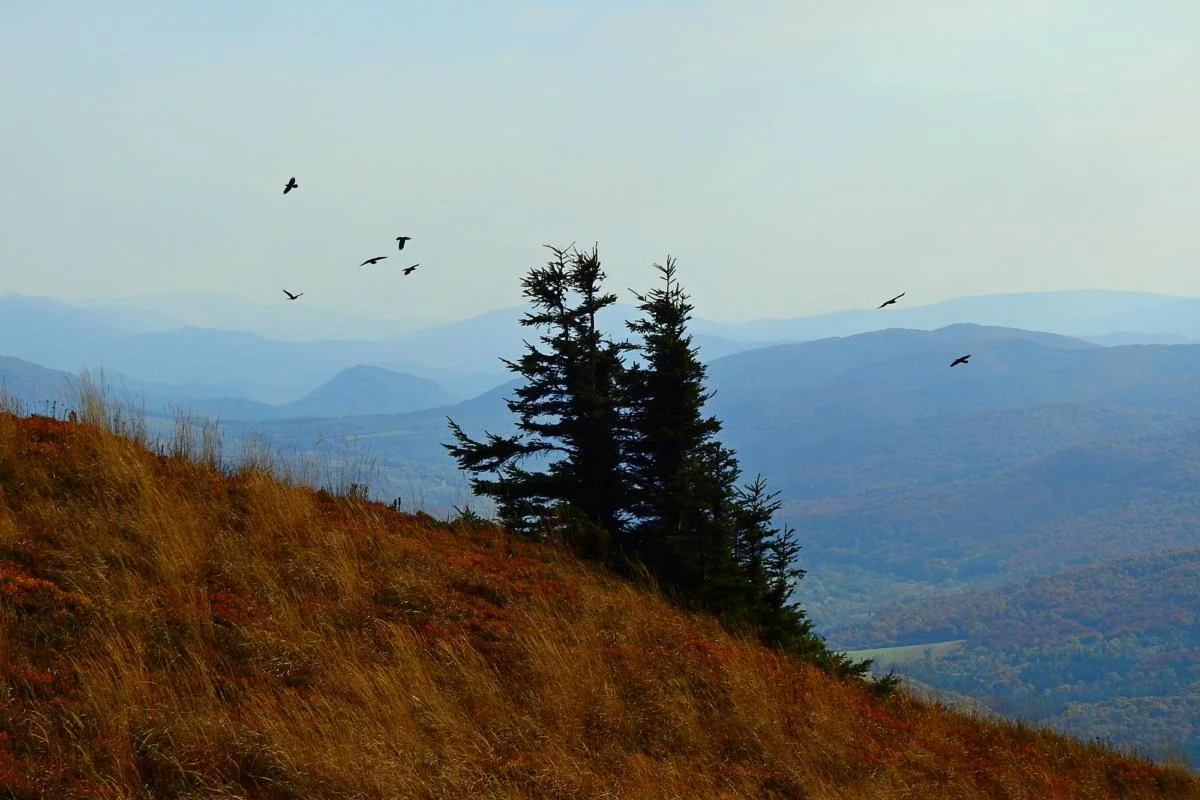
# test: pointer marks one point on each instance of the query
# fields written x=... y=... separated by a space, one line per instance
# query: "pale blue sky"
x=796 y=157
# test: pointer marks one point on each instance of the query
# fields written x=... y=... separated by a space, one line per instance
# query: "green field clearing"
x=888 y=656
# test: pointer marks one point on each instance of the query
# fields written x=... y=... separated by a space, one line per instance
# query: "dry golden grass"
x=168 y=631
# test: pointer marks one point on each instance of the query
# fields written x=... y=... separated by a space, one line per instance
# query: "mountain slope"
x=1081 y=503
x=169 y=631
x=364 y=390
x=953 y=447
x=33 y=386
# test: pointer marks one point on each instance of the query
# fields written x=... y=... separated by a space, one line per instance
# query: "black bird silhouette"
x=403 y=240
x=409 y=270
x=293 y=296
x=374 y=260
x=893 y=300
x=960 y=360
x=291 y=184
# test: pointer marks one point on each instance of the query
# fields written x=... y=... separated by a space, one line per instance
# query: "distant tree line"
x=626 y=466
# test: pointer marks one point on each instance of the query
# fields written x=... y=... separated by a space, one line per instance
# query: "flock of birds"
x=955 y=362
x=400 y=242
x=403 y=240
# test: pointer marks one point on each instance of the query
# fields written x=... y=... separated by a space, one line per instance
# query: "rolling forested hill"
x=1111 y=649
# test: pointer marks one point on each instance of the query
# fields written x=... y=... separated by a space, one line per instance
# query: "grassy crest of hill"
x=1112 y=649
x=169 y=630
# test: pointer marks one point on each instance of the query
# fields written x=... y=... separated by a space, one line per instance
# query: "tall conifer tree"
x=569 y=405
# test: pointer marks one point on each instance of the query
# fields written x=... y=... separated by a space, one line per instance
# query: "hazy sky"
x=795 y=156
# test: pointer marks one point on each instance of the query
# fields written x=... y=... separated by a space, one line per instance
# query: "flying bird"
x=374 y=260
x=291 y=184
x=893 y=300
x=403 y=240
x=409 y=270
x=293 y=296
x=960 y=360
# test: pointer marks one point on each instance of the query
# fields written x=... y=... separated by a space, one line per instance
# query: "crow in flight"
x=960 y=360
x=893 y=300
x=374 y=260
x=409 y=270
x=403 y=240
x=293 y=296
x=291 y=184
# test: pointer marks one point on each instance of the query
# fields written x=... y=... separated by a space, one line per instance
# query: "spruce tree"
x=680 y=475
x=569 y=406
x=713 y=544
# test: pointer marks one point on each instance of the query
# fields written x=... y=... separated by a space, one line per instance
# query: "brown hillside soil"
x=170 y=632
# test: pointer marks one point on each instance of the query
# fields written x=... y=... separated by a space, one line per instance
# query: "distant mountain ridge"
x=356 y=391
x=1076 y=312
x=463 y=358
x=1164 y=318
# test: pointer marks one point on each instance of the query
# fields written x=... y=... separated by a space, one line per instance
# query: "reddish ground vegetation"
x=169 y=631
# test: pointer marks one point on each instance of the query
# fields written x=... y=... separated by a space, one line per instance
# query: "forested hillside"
x=1109 y=650
x=1081 y=503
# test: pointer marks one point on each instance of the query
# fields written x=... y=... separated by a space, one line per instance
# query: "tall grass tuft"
x=98 y=403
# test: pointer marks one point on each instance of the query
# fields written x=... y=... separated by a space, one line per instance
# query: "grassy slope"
x=168 y=631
